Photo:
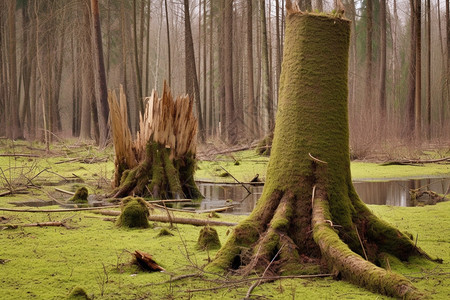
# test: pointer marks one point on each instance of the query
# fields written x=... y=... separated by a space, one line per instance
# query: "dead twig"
x=64 y=191
x=59 y=210
x=316 y=159
x=236 y=180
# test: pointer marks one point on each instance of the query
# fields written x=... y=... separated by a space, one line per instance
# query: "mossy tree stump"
x=160 y=162
x=134 y=213
x=309 y=215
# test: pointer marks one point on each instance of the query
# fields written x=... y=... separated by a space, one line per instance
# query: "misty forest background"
x=59 y=59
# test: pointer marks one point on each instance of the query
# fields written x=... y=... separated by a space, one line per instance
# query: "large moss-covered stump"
x=134 y=213
x=309 y=215
x=160 y=162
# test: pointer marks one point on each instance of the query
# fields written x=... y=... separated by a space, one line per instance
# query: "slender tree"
x=102 y=100
x=418 y=94
x=192 y=87
x=231 y=126
x=253 y=129
x=382 y=94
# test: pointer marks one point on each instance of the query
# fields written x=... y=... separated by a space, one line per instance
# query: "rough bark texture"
x=309 y=216
x=160 y=162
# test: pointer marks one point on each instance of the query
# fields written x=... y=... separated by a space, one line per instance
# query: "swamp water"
x=392 y=192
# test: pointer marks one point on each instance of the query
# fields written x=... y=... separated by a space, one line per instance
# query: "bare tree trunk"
x=418 y=94
x=382 y=95
x=253 y=129
x=231 y=128
x=428 y=8
x=369 y=11
x=147 y=52
x=15 y=130
x=211 y=119
x=102 y=101
x=192 y=87
x=411 y=74
x=140 y=100
x=169 y=61
x=266 y=88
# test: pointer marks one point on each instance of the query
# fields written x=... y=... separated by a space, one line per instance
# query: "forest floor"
x=92 y=253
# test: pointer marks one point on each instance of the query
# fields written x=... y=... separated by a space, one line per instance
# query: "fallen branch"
x=17 y=155
x=64 y=191
x=415 y=161
x=43 y=224
x=57 y=210
x=177 y=220
x=236 y=180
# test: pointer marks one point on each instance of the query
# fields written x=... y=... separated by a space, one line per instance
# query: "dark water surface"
x=392 y=192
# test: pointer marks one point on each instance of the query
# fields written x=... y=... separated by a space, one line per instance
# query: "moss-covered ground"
x=48 y=262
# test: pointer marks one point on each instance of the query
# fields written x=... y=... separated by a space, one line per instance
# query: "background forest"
x=59 y=58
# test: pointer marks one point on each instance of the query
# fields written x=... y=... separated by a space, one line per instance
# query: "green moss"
x=134 y=213
x=165 y=232
x=78 y=293
x=81 y=195
x=208 y=239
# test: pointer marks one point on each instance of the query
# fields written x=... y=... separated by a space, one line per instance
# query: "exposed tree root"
x=346 y=263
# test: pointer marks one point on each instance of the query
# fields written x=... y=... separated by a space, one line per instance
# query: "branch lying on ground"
x=177 y=220
x=415 y=161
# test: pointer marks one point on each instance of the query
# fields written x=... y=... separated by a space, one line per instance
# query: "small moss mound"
x=134 y=213
x=164 y=232
x=265 y=145
x=81 y=195
x=208 y=239
x=78 y=293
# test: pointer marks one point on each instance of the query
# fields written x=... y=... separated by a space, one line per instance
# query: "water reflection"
x=395 y=193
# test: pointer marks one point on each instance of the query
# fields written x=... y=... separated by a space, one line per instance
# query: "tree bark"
x=230 y=120
x=369 y=31
x=411 y=74
x=266 y=85
x=418 y=94
x=253 y=129
x=309 y=209
x=102 y=100
x=169 y=59
x=192 y=87
x=382 y=95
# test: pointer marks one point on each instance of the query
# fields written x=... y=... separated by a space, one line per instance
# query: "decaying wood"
x=41 y=224
x=160 y=160
x=64 y=191
x=17 y=155
x=58 y=210
x=416 y=161
x=176 y=220
x=145 y=261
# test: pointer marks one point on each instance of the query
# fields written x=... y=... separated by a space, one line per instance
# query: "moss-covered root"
x=134 y=213
x=344 y=262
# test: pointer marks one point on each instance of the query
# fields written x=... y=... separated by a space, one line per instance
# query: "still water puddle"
x=393 y=192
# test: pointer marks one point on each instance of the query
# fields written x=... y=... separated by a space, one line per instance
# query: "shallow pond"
x=392 y=192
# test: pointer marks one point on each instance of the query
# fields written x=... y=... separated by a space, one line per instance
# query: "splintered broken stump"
x=146 y=262
x=160 y=161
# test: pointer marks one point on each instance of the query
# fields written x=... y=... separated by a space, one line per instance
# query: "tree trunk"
x=411 y=74
x=230 y=120
x=102 y=100
x=160 y=162
x=253 y=129
x=368 y=91
x=418 y=94
x=382 y=95
x=192 y=87
x=309 y=209
x=266 y=86
x=169 y=60
x=428 y=8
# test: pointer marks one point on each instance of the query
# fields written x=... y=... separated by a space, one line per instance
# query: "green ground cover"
x=47 y=262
